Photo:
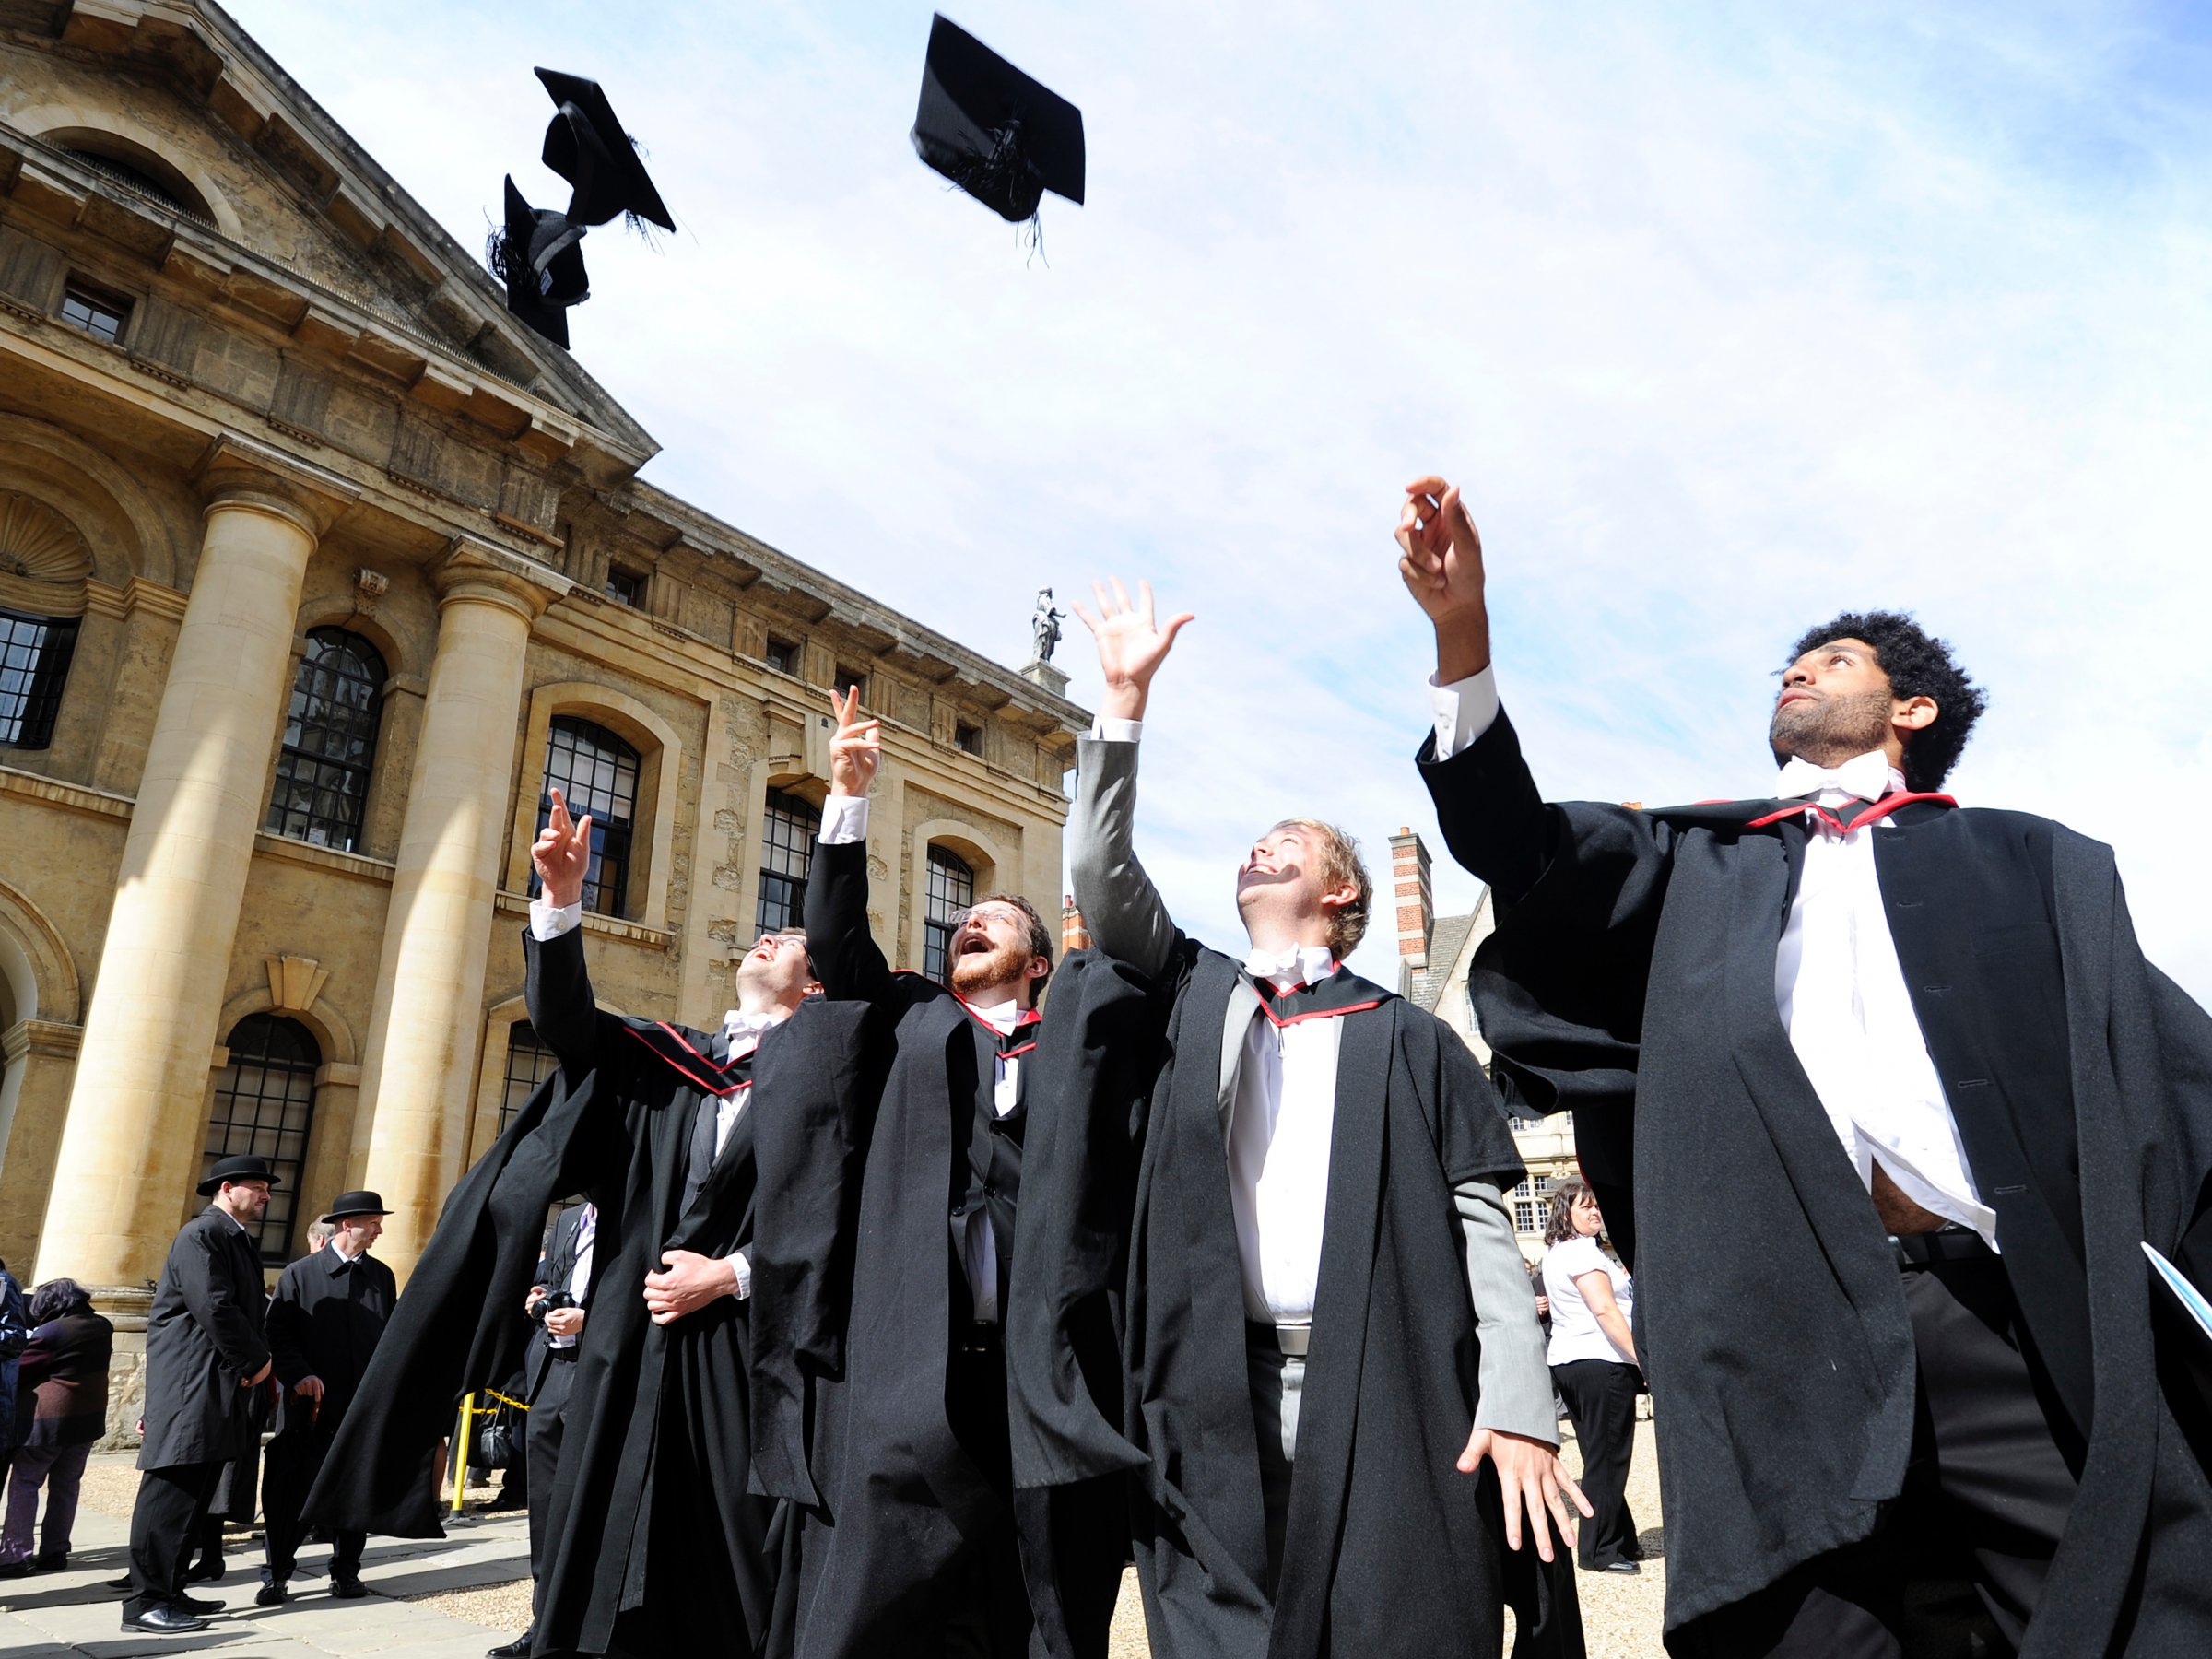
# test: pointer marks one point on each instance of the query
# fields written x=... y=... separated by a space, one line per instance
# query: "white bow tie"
x=1867 y=777
x=1304 y=963
x=738 y=1026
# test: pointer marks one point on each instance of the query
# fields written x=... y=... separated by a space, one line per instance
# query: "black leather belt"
x=1952 y=1244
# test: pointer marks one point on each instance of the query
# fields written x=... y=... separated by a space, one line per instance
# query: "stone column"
x=132 y=1142
x=429 y=1012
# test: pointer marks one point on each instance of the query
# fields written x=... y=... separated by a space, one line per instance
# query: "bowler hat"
x=355 y=1204
x=245 y=1166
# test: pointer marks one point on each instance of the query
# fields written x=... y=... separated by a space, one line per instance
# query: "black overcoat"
x=203 y=1338
x=324 y=1321
x=1631 y=981
x=1389 y=1549
x=658 y=1545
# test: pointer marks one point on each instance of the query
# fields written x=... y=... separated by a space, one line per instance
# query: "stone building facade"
x=1435 y=954
x=314 y=569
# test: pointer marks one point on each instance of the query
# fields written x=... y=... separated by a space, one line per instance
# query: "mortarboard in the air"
x=586 y=146
x=997 y=133
x=538 y=254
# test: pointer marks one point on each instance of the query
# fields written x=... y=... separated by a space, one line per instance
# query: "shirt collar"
x=742 y=1029
x=332 y=1248
x=1001 y=1016
x=1867 y=777
x=1292 y=966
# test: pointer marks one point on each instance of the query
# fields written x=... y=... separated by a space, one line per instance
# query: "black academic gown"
x=203 y=1338
x=324 y=1321
x=866 y=1186
x=1131 y=1261
x=1631 y=981
x=658 y=1545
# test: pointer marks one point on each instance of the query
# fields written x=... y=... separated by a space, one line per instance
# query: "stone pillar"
x=131 y=1146
x=429 y=1012
x=38 y=1060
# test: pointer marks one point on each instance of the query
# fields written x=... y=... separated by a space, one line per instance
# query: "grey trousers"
x=1279 y=1381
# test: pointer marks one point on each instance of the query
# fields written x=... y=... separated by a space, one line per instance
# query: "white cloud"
x=1728 y=319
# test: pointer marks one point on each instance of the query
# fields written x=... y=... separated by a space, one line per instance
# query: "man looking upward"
x=1950 y=1102
x=1329 y=1329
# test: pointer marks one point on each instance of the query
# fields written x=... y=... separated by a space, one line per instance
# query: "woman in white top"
x=1593 y=1357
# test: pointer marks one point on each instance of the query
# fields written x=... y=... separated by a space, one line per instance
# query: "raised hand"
x=857 y=748
x=562 y=853
x=1131 y=646
x=1439 y=559
x=1530 y=1479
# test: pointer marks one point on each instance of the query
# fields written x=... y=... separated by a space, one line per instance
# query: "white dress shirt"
x=1278 y=1133
x=1839 y=987
x=580 y=1276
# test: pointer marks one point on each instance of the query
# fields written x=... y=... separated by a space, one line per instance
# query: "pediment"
x=162 y=128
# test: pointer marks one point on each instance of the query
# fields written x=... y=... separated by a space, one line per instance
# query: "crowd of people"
x=903 y=1313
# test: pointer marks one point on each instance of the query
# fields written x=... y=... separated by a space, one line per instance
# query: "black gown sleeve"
x=846 y=957
x=557 y=990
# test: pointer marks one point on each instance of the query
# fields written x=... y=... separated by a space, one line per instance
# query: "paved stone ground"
x=451 y=1599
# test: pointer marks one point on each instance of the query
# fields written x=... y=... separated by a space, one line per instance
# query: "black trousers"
x=288 y=1472
x=1601 y=1403
x=165 y=1527
x=542 y=1431
x=1985 y=1498
x=984 y=1605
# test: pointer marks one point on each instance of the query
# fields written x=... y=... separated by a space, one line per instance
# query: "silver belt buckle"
x=1293 y=1339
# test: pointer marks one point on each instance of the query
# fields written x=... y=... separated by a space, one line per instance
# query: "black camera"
x=548 y=1303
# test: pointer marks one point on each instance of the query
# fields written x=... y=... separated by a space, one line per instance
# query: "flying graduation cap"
x=537 y=252
x=993 y=130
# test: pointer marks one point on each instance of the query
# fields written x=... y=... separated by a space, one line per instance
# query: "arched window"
x=789 y=825
x=264 y=1103
x=34 y=664
x=951 y=890
x=329 y=742
x=595 y=773
x=529 y=1063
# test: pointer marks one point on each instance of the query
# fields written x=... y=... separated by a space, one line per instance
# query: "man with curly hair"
x=1950 y=1101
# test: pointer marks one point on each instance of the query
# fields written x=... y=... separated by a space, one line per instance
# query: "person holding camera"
x=557 y=1305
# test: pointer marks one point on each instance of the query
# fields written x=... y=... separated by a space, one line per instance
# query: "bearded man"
x=1949 y=1102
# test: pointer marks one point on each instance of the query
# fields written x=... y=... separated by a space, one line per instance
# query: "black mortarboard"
x=586 y=146
x=538 y=254
x=993 y=130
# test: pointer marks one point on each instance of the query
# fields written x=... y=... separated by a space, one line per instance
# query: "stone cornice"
x=48 y=1037
x=238 y=472
x=612 y=928
x=37 y=786
x=357 y=864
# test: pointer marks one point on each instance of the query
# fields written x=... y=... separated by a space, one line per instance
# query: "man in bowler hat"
x=325 y=1320
x=205 y=1353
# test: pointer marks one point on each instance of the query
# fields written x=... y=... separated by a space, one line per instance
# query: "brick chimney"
x=1074 y=936
x=1416 y=901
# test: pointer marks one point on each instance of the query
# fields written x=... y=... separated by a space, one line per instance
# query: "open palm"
x=1132 y=643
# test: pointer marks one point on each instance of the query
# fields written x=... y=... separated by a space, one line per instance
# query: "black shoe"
x=51 y=1563
x=347 y=1589
x=193 y=1604
x=1623 y=1567
x=16 y=1570
x=271 y=1595
x=206 y=1570
x=517 y=1649
x=164 y=1621
x=123 y=1583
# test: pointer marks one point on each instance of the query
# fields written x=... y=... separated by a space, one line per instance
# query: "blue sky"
x=1728 y=317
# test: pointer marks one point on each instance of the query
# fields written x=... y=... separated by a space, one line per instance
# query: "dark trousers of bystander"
x=1601 y=1403
x=289 y=1471
x=165 y=1525
x=1986 y=1496
x=542 y=1433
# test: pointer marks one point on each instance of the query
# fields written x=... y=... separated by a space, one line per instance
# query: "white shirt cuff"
x=1464 y=711
x=550 y=921
x=744 y=1270
x=844 y=820
x=1116 y=731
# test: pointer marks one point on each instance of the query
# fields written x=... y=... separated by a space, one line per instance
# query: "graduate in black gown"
x=1329 y=1356
x=896 y=1450
x=657 y=1544
x=1949 y=1102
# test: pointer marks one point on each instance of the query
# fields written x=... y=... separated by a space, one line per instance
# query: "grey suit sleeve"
x=1119 y=905
x=1513 y=1384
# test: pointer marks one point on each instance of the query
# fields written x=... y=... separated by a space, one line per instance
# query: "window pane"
x=529 y=1063
x=789 y=825
x=950 y=889
x=321 y=791
x=595 y=773
x=264 y=1103
x=34 y=664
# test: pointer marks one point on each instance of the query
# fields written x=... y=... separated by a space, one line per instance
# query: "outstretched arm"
x=846 y=957
x=1119 y=903
x=556 y=988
